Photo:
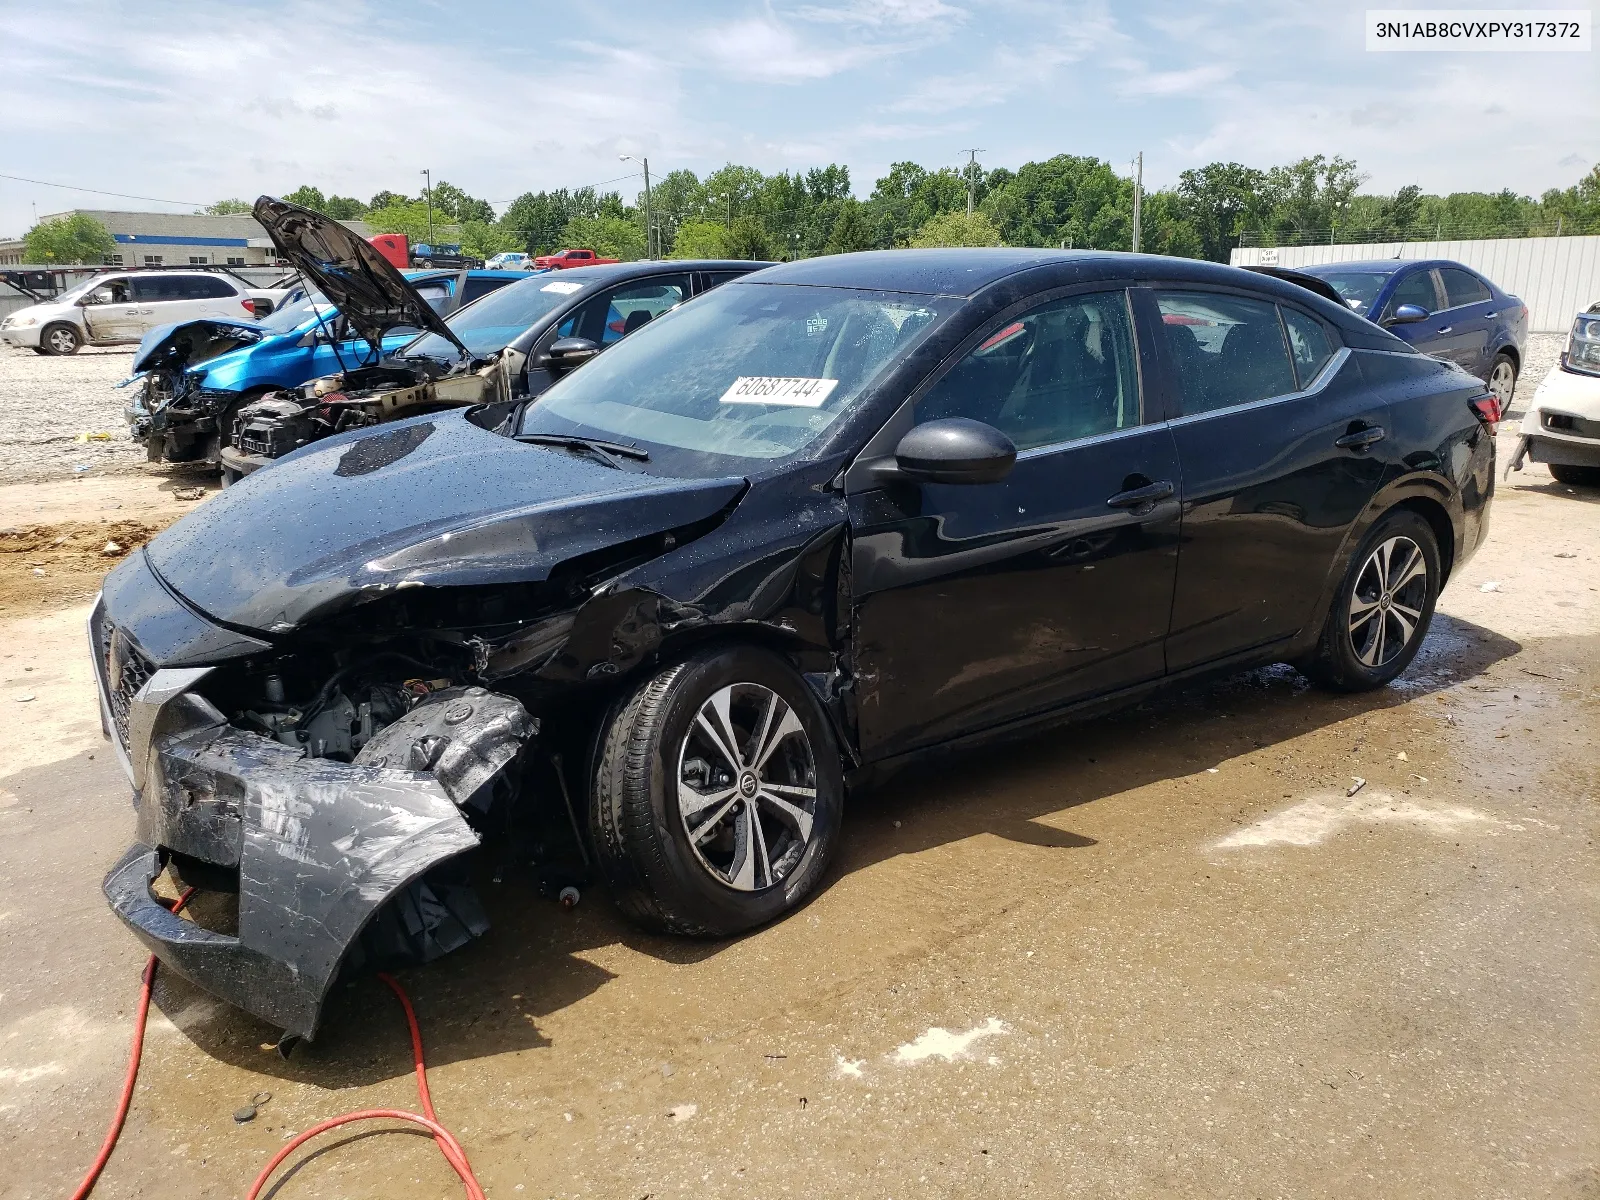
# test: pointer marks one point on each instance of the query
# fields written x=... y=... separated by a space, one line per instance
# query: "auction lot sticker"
x=793 y=390
x=563 y=286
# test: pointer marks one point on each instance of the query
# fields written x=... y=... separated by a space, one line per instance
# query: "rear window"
x=1309 y=345
x=1462 y=287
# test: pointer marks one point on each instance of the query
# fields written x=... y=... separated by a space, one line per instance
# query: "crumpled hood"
x=184 y=343
x=434 y=501
x=354 y=277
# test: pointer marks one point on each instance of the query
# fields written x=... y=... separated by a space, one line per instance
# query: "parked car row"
x=786 y=531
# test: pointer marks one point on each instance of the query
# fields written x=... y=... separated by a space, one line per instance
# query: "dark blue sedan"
x=1443 y=309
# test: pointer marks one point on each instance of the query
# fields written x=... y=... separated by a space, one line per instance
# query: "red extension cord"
x=428 y=1119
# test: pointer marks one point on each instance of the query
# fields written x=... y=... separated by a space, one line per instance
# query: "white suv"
x=110 y=309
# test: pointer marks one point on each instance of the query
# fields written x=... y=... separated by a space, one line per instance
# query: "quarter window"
x=1308 y=344
x=1057 y=373
x=1226 y=350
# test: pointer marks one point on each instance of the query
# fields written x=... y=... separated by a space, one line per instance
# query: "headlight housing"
x=20 y=322
x=1583 y=347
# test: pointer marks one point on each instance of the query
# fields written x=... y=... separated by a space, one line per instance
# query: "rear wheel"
x=1503 y=380
x=1383 y=607
x=1582 y=476
x=717 y=794
x=59 y=339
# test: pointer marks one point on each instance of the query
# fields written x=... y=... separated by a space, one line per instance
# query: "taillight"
x=1487 y=409
x=250 y=307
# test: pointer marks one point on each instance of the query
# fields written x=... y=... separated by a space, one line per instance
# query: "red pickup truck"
x=568 y=258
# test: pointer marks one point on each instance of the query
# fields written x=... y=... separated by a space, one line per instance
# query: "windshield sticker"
x=563 y=287
x=793 y=390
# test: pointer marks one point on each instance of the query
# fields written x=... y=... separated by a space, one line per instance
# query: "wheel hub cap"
x=747 y=787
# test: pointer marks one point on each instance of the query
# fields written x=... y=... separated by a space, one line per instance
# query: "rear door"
x=168 y=299
x=1281 y=446
x=1469 y=305
x=983 y=603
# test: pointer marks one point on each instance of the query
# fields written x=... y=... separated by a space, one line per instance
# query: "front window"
x=754 y=371
x=1358 y=289
x=489 y=325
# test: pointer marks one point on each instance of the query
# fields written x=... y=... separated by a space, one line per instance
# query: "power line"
x=101 y=191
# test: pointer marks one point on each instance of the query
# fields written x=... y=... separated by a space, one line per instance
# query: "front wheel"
x=1383 y=607
x=59 y=339
x=1581 y=476
x=717 y=794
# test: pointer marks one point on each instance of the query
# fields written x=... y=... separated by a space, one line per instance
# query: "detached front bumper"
x=316 y=848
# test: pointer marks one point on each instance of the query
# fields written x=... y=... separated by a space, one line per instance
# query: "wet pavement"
x=1160 y=953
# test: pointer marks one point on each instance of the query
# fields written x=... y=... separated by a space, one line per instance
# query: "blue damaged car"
x=192 y=377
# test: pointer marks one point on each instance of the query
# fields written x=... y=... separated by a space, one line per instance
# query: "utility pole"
x=427 y=174
x=1138 y=196
x=972 y=176
x=649 y=228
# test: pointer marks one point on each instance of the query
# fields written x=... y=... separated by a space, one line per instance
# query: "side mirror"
x=568 y=352
x=1408 y=314
x=98 y=296
x=955 y=450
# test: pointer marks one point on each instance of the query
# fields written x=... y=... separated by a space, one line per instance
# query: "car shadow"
x=1550 y=487
x=489 y=997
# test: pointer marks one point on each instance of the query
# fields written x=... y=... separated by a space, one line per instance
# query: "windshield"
x=295 y=311
x=487 y=326
x=78 y=289
x=1356 y=288
x=751 y=370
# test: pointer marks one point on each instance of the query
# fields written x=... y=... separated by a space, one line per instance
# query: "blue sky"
x=194 y=101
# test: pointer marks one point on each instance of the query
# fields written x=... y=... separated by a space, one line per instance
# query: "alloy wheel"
x=1387 y=602
x=1502 y=382
x=747 y=787
x=62 y=341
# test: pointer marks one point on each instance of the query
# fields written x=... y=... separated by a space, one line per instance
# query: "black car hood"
x=435 y=501
x=368 y=291
x=189 y=342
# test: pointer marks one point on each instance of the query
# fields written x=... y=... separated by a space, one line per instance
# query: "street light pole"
x=972 y=176
x=427 y=174
x=649 y=228
x=1138 y=197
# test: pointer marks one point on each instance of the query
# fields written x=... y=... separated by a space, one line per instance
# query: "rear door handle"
x=1142 y=497
x=1360 y=439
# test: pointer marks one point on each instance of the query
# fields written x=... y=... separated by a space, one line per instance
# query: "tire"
x=59 y=339
x=1380 y=599
x=655 y=758
x=1502 y=379
x=1580 y=476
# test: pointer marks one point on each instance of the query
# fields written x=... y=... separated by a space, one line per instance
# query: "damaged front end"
x=336 y=801
x=172 y=412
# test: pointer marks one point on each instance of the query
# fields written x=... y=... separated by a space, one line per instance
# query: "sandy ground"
x=1162 y=953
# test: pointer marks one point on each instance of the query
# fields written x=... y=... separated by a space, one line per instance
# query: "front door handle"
x=1142 y=497
x=1360 y=439
x=1493 y=314
x=1445 y=329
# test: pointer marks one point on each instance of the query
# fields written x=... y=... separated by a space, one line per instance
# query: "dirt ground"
x=1161 y=953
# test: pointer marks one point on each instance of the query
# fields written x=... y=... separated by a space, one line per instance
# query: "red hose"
x=448 y=1146
x=134 y=1052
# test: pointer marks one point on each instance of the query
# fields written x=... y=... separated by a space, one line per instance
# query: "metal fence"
x=1555 y=277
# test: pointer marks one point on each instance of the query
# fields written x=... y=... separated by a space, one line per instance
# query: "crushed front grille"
x=124 y=672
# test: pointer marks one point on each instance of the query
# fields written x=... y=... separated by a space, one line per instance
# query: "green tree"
x=459 y=207
x=385 y=198
x=1065 y=200
x=72 y=239
x=1307 y=199
x=409 y=217
x=610 y=236
x=850 y=230
x=701 y=239
x=344 y=208
x=747 y=238
x=903 y=201
x=1217 y=199
x=957 y=228
x=226 y=208
x=483 y=239
x=307 y=196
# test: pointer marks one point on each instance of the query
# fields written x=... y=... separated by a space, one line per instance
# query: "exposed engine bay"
x=173 y=414
x=276 y=424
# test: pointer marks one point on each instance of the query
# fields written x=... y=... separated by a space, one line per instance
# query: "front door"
x=111 y=313
x=983 y=603
x=1281 y=446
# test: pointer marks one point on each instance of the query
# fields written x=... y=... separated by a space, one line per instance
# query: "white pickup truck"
x=1562 y=428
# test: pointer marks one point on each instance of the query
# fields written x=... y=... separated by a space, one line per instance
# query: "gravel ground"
x=46 y=403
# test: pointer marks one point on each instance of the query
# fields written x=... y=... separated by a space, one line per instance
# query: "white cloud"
x=1174 y=83
x=764 y=50
x=878 y=13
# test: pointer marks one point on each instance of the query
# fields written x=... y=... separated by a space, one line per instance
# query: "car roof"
x=1382 y=266
x=952 y=272
x=649 y=266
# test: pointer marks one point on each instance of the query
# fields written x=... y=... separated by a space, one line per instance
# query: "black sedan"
x=827 y=518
